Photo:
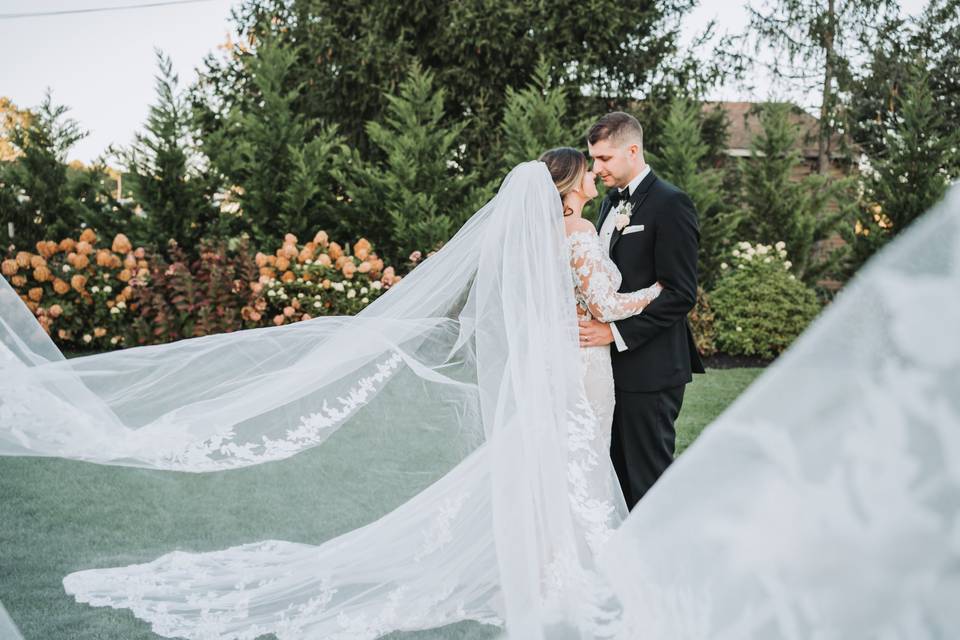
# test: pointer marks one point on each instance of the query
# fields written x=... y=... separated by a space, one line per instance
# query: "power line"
x=145 y=5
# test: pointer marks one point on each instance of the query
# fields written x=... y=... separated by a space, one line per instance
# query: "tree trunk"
x=826 y=106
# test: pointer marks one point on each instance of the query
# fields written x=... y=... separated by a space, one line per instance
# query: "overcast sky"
x=102 y=64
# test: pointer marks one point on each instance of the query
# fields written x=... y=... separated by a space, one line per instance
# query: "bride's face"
x=589 y=186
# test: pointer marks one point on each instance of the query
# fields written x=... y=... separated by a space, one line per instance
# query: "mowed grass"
x=58 y=516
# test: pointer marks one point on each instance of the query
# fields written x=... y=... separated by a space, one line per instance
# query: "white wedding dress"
x=822 y=504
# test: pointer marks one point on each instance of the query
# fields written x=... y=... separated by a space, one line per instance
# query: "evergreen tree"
x=815 y=42
x=355 y=52
x=535 y=119
x=39 y=197
x=165 y=174
x=912 y=170
x=684 y=159
x=780 y=207
x=419 y=195
x=931 y=40
x=281 y=159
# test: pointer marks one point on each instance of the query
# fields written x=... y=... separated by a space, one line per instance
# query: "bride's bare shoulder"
x=578 y=225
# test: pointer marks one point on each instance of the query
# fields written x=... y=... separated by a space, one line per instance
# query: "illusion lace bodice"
x=596 y=280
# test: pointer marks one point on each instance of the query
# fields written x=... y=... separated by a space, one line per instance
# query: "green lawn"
x=58 y=516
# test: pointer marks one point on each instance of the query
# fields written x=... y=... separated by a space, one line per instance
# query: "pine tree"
x=164 y=171
x=780 y=207
x=685 y=161
x=816 y=40
x=912 y=171
x=38 y=196
x=535 y=119
x=282 y=160
x=419 y=195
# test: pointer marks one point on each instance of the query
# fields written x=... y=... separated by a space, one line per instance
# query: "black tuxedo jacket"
x=661 y=352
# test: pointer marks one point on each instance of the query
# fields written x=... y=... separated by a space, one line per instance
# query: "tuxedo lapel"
x=636 y=200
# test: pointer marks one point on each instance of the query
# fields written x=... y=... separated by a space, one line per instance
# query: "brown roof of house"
x=744 y=125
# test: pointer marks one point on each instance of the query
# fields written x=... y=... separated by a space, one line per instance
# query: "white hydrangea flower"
x=94 y=289
x=723 y=265
x=338 y=286
x=114 y=310
x=114 y=340
x=736 y=253
x=744 y=245
x=739 y=328
x=300 y=295
x=66 y=268
x=87 y=337
x=762 y=249
x=787 y=264
x=317 y=304
x=271 y=293
x=781 y=245
x=768 y=259
x=364 y=300
x=122 y=305
x=363 y=290
x=108 y=288
x=352 y=293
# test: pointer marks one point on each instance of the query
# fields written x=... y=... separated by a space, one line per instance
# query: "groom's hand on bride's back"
x=594 y=333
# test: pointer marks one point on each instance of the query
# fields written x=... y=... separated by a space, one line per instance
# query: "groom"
x=650 y=228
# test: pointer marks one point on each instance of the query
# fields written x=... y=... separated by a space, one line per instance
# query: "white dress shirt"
x=606 y=234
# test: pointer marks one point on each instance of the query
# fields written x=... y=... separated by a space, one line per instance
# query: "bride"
x=509 y=535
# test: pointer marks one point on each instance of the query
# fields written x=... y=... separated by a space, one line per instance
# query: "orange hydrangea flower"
x=60 y=286
x=42 y=274
x=121 y=244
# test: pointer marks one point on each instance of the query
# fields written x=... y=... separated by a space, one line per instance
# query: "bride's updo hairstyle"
x=567 y=167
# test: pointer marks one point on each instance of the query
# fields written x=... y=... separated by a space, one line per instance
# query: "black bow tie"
x=617 y=196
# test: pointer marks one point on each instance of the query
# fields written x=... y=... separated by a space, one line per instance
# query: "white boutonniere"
x=623 y=217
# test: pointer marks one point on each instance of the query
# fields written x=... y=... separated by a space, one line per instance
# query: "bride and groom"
x=649 y=229
x=478 y=344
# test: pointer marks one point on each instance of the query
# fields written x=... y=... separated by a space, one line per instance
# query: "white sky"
x=102 y=65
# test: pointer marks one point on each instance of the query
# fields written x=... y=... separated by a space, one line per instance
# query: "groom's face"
x=613 y=163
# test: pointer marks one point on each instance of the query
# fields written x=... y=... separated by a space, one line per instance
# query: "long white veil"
x=825 y=502
x=467 y=371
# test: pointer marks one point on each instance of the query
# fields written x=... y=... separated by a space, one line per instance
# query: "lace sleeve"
x=598 y=279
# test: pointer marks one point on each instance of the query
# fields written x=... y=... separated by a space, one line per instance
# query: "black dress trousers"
x=643 y=425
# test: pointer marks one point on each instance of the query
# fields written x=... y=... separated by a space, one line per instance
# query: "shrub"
x=318 y=278
x=185 y=298
x=760 y=307
x=87 y=297
x=79 y=292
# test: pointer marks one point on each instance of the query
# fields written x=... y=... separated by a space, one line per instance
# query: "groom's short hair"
x=618 y=127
